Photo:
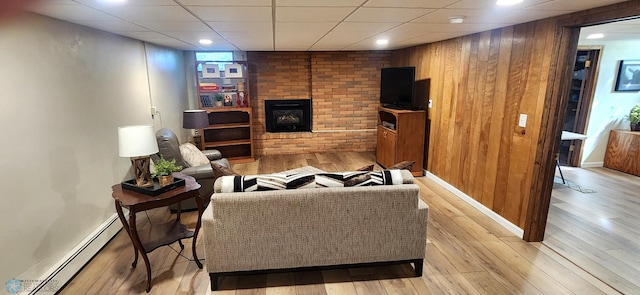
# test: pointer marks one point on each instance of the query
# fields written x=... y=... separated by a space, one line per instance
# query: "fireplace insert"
x=291 y=115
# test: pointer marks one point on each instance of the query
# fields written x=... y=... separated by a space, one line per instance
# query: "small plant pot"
x=635 y=126
x=218 y=103
x=165 y=180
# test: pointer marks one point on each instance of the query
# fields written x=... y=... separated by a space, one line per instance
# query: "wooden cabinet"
x=401 y=137
x=230 y=132
x=223 y=90
x=623 y=151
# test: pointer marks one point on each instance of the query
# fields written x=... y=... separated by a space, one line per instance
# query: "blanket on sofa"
x=283 y=181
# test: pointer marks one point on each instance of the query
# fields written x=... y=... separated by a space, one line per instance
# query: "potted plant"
x=163 y=170
x=634 y=117
x=219 y=98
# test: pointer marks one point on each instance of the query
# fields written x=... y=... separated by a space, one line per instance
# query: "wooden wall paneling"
x=489 y=96
x=516 y=178
x=435 y=113
x=517 y=68
x=497 y=116
x=555 y=101
x=449 y=96
x=516 y=168
x=463 y=111
x=468 y=116
x=480 y=118
x=545 y=35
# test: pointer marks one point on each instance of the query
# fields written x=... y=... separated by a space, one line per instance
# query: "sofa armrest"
x=199 y=172
x=212 y=155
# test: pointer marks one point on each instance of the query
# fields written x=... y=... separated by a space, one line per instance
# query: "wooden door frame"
x=586 y=101
x=567 y=32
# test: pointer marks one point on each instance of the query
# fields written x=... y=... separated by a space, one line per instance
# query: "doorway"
x=583 y=81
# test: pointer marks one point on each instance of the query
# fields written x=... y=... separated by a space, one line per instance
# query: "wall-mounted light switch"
x=523 y=120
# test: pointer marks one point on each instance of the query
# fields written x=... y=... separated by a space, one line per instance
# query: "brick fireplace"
x=343 y=86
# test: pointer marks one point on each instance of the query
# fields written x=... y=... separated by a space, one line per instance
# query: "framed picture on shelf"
x=210 y=71
x=234 y=71
x=628 y=76
x=229 y=99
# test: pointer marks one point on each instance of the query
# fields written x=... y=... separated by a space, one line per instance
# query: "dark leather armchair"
x=169 y=148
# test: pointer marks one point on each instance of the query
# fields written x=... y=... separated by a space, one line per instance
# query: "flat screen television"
x=397 y=87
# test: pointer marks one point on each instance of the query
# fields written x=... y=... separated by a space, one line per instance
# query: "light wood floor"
x=598 y=231
x=467 y=253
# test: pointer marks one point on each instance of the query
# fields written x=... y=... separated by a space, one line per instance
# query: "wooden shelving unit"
x=404 y=140
x=230 y=132
x=230 y=127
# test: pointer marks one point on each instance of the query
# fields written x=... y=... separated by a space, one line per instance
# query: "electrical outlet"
x=430 y=103
x=153 y=111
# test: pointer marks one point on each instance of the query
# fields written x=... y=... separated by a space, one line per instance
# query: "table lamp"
x=137 y=143
x=195 y=119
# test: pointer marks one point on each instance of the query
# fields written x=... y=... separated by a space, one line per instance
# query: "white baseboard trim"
x=482 y=208
x=592 y=164
x=71 y=263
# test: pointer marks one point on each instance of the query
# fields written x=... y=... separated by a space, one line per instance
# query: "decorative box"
x=234 y=71
x=210 y=71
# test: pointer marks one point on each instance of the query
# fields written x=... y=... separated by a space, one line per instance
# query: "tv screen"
x=397 y=86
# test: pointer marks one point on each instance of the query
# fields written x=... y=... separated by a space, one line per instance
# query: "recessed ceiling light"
x=456 y=19
x=382 y=42
x=508 y=2
x=114 y=1
x=205 y=41
x=596 y=36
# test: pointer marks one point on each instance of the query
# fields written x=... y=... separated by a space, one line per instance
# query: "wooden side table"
x=162 y=234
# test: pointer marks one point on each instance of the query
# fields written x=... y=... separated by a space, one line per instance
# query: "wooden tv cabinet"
x=401 y=137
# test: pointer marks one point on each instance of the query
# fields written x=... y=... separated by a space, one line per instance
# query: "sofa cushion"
x=192 y=155
x=219 y=169
x=282 y=181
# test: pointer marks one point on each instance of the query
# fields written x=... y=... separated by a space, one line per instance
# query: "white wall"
x=64 y=90
x=609 y=109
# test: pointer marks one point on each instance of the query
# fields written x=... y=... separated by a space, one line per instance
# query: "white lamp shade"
x=137 y=141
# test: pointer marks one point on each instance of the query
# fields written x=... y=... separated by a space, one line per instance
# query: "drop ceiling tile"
x=572 y=5
x=247 y=35
x=302 y=28
x=341 y=39
x=414 y=30
x=113 y=26
x=260 y=42
x=72 y=13
x=524 y=16
x=374 y=28
x=150 y=13
x=491 y=4
x=253 y=3
x=312 y=14
x=102 y=3
x=472 y=16
x=387 y=14
x=300 y=42
x=233 y=14
x=175 y=26
x=194 y=37
x=241 y=26
x=323 y=3
x=410 y=3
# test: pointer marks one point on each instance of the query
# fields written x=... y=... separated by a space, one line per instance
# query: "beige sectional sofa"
x=248 y=232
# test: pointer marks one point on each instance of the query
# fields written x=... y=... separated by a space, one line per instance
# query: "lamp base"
x=141 y=173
